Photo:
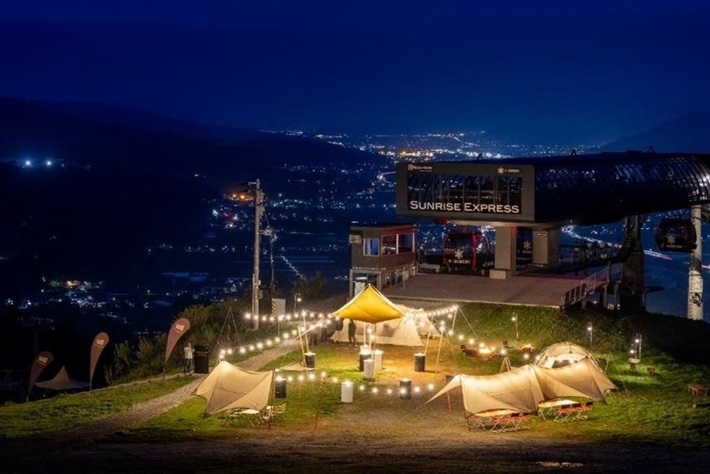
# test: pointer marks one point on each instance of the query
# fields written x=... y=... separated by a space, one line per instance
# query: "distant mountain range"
x=123 y=179
x=130 y=178
x=100 y=135
x=690 y=134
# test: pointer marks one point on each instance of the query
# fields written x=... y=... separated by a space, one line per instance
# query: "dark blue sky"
x=527 y=69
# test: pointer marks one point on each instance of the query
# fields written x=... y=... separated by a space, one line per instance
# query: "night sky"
x=589 y=72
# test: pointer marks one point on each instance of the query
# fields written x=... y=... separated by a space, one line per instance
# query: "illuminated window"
x=389 y=245
x=371 y=247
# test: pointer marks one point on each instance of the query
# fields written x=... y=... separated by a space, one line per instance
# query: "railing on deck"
x=590 y=284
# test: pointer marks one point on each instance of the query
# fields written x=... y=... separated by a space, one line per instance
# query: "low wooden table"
x=697 y=389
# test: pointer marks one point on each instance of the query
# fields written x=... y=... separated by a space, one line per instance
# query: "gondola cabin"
x=676 y=235
x=467 y=252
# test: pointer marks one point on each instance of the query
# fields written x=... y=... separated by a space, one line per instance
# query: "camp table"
x=548 y=408
x=252 y=416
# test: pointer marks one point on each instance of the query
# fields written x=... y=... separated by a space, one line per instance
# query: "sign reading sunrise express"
x=465 y=190
x=464 y=207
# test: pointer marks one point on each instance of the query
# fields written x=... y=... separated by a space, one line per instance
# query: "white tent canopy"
x=562 y=353
x=62 y=381
x=229 y=387
x=523 y=388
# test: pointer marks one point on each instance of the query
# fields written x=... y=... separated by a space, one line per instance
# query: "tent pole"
x=301 y=337
x=320 y=391
x=428 y=336
x=453 y=325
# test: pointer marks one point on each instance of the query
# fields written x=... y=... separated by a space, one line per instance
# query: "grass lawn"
x=646 y=409
x=69 y=410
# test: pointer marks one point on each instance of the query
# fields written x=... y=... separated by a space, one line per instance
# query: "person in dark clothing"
x=352 y=329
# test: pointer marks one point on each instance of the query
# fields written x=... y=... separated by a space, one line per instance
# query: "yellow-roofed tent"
x=370 y=306
x=393 y=324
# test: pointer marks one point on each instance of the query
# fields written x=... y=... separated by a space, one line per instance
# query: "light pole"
x=296 y=302
x=258 y=213
x=515 y=320
x=590 y=331
x=638 y=341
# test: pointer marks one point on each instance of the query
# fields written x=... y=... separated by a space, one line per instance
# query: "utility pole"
x=695 y=276
x=258 y=213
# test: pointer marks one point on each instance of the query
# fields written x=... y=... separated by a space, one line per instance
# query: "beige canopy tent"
x=578 y=379
x=62 y=381
x=516 y=389
x=229 y=387
x=523 y=388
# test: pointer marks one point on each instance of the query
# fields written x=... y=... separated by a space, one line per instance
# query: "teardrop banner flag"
x=179 y=327
x=99 y=344
x=42 y=360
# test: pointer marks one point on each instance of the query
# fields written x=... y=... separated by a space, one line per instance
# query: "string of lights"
x=310 y=320
x=363 y=388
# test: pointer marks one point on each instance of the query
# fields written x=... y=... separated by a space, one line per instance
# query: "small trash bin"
x=310 y=360
x=405 y=389
x=369 y=369
x=201 y=359
x=378 y=359
x=346 y=392
x=280 y=387
x=363 y=358
x=419 y=362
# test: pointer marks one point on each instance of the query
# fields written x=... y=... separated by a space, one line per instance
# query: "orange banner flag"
x=99 y=344
x=42 y=360
x=179 y=327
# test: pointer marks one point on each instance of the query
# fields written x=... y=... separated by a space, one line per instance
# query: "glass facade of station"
x=584 y=189
x=465 y=192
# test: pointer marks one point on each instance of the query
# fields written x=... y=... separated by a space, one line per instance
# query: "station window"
x=389 y=245
x=405 y=243
x=371 y=247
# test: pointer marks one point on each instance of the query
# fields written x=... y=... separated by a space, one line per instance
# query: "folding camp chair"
x=498 y=423
x=567 y=413
x=519 y=421
x=278 y=411
x=505 y=422
x=584 y=409
x=473 y=422
x=267 y=416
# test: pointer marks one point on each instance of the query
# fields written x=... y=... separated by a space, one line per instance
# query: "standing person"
x=188 y=354
x=314 y=335
x=352 y=329
x=324 y=332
